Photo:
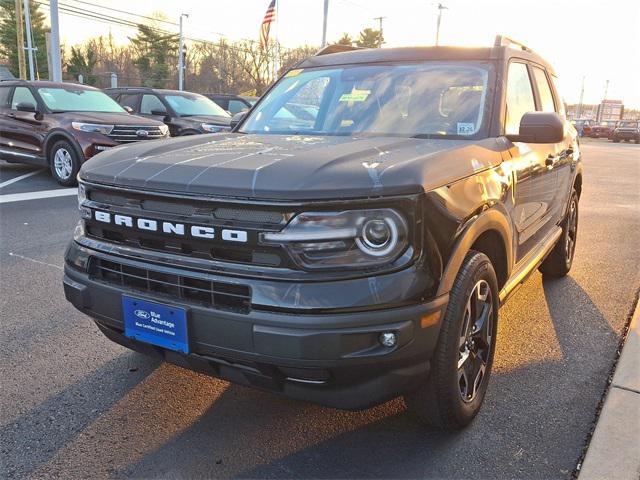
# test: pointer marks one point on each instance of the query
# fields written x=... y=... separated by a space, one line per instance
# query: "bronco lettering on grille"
x=197 y=231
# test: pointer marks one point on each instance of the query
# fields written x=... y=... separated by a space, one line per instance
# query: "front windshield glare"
x=433 y=99
x=78 y=100
x=192 y=104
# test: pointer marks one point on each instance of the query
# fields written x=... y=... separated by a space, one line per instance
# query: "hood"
x=293 y=167
x=109 y=118
x=214 y=119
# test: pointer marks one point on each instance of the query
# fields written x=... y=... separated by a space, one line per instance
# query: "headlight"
x=82 y=194
x=353 y=238
x=92 y=127
x=211 y=128
x=164 y=129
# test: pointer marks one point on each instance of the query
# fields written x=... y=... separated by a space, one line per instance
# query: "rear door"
x=559 y=160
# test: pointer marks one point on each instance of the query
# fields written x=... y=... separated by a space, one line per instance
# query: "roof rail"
x=336 y=48
x=504 y=41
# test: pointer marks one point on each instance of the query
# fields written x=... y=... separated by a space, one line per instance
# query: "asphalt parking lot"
x=75 y=405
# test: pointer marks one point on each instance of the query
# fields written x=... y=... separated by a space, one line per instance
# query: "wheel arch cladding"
x=577 y=184
x=491 y=234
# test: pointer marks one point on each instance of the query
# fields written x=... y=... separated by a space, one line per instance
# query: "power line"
x=125 y=12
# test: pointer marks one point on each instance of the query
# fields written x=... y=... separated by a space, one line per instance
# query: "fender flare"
x=493 y=219
x=59 y=132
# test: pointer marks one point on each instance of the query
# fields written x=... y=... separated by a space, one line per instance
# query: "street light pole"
x=56 y=67
x=181 y=55
x=27 y=21
x=440 y=9
x=380 y=37
x=324 y=23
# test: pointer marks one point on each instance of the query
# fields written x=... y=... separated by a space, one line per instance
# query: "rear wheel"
x=452 y=394
x=559 y=261
x=64 y=162
x=616 y=140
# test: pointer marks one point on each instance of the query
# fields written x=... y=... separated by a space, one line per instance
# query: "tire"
x=447 y=399
x=559 y=261
x=616 y=140
x=64 y=162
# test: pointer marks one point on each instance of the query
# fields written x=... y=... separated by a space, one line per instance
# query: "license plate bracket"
x=155 y=323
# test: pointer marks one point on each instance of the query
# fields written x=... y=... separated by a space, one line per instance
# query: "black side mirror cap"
x=26 y=107
x=236 y=119
x=540 y=127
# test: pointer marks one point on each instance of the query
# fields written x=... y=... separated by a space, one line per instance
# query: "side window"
x=561 y=109
x=4 y=96
x=129 y=100
x=519 y=97
x=544 y=90
x=236 y=106
x=22 y=95
x=150 y=103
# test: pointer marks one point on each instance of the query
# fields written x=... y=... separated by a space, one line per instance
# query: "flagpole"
x=276 y=62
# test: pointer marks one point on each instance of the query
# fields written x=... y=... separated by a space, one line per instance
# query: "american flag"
x=269 y=18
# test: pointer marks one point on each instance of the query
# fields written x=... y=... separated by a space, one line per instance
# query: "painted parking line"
x=21 y=197
x=21 y=177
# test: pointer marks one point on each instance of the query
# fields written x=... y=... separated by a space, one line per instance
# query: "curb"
x=614 y=450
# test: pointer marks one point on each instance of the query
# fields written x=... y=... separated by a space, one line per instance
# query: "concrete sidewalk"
x=614 y=450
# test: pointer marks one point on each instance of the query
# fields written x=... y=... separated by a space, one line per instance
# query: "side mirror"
x=26 y=107
x=236 y=119
x=539 y=127
x=128 y=109
x=159 y=113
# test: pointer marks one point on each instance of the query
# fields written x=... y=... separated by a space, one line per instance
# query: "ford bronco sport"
x=351 y=252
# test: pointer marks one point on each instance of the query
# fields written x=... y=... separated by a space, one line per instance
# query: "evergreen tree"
x=370 y=38
x=345 y=39
x=155 y=55
x=8 y=40
x=83 y=63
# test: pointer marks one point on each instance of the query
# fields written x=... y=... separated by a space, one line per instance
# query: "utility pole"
x=54 y=49
x=324 y=23
x=20 y=40
x=181 y=55
x=579 y=113
x=380 y=30
x=440 y=9
x=27 y=21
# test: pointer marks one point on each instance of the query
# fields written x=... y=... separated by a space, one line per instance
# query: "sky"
x=592 y=39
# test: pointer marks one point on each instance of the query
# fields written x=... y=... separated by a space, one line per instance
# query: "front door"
x=23 y=133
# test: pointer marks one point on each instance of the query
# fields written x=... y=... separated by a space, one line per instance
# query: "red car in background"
x=603 y=129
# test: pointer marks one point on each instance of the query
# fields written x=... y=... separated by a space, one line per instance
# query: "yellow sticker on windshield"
x=294 y=73
x=355 y=96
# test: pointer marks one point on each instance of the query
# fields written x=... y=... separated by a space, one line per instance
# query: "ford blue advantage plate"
x=155 y=323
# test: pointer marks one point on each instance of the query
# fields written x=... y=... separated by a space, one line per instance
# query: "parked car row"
x=613 y=130
x=60 y=125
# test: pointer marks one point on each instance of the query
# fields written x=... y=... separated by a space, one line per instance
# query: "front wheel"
x=559 y=261
x=64 y=162
x=452 y=394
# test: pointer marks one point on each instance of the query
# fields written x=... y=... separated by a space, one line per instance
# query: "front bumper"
x=334 y=359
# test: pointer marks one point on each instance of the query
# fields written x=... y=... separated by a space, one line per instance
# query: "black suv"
x=60 y=125
x=349 y=258
x=627 y=130
x=185 y=113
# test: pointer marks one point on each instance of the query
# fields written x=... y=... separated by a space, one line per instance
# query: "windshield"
x=628 y=124
x=415 y=100
x=72 y=99
x=192 y=104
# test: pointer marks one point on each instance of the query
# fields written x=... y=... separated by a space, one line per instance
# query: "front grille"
x=192 y=289
x=130 y=133
x=253 y=219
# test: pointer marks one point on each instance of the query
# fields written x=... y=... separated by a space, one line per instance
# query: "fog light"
x=388 y=339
